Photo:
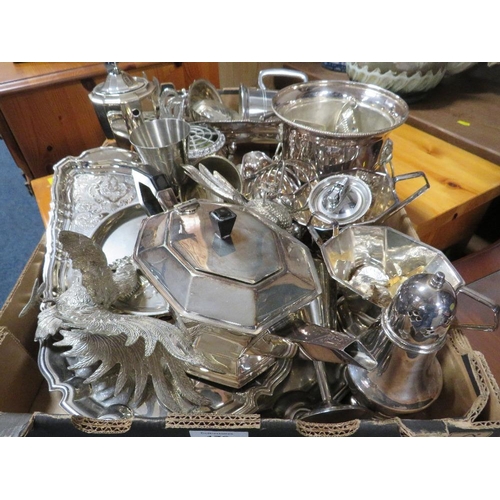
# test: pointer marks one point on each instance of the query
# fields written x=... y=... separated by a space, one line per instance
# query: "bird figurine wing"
x=146 y=348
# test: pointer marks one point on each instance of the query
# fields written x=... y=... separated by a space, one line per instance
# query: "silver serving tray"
x=94 y=194
x=99 y=400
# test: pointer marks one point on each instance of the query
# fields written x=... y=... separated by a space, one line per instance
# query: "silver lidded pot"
x=222 y=265
x=405 y=341
x=228 y=266
x=123 y=98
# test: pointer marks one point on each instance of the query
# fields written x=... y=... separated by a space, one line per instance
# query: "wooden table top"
x=460 y=183
x=16 y=77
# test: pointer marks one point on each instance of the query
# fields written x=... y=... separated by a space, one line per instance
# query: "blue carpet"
x=21 y=225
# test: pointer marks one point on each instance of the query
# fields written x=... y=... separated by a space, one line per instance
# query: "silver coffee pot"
x=404 y=341
x=123 y=101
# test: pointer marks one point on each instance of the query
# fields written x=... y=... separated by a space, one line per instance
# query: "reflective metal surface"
x=163 y=144
x=214 y=163
x=218 y=185
x=247 y=282
x=368 y=197
x=239 y=365
x=205 y=104
x=204 y=140
x=311 y=113
x=422 y=311
x=99 y=399
x=176 y=303
x=340 y=198
x=411 y=330
x=373 y=261
x=94 y=194
x=120 y=94
x=256 y=102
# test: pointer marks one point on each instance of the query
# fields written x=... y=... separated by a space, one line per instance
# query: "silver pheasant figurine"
x=149 y=351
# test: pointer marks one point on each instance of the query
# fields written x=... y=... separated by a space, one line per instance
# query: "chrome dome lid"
x=119 y=86
x=421 y=312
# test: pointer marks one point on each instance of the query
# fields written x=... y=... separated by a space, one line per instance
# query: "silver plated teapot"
x=122 y=101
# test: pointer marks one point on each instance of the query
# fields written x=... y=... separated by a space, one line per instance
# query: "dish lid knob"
x=223 y=220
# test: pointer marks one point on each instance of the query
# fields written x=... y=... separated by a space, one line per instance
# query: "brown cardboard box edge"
x=27 y=408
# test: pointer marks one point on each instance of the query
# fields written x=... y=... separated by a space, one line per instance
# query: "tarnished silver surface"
x=265 y=131
x=144 y=347
x=137 y=358
x=94 y=195
x=99 y=400
x=239 y=365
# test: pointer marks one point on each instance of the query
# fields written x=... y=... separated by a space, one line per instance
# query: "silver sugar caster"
x=405 y=340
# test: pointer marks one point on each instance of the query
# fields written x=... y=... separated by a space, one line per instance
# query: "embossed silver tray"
x=94 y=194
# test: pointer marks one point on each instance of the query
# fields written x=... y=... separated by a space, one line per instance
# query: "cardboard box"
x=469 y=404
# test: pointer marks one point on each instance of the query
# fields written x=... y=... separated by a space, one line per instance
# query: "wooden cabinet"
x=46 y=114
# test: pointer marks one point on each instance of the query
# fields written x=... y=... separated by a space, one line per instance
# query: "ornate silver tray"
x=94 y=194
x=99 y=400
